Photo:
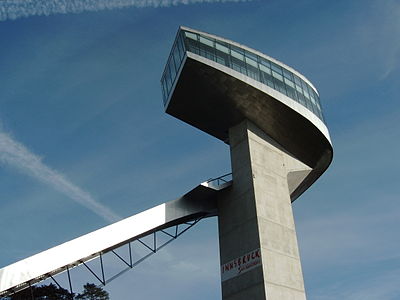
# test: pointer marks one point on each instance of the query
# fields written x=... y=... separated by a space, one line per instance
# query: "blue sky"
x=84 y=139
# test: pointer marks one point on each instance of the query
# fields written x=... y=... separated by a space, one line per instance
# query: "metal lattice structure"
x=170 y=219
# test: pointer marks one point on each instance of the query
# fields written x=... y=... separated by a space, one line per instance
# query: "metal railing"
x=226 y=178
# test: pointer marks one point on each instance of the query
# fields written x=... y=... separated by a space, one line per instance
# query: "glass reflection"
x=243 y=61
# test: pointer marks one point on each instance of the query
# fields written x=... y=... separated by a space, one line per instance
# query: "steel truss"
x=130 y=263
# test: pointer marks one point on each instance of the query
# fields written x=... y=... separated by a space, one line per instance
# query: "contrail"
x=15 y=9
x=17 y=155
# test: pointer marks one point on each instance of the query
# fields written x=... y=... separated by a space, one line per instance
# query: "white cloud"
x=15 y=9
x=15 y=154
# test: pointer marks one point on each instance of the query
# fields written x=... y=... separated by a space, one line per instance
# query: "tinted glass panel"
x=237 y=55
x=265 y=69
x=277 y=76
x=244 y=61
x=276 y=68
x=207 y=42
x=190 y=35
x=253 y=72
x=222 y=48
x=251 y=61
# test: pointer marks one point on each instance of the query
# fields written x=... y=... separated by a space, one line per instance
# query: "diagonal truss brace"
x=187 y=210
x=131 y=264
x=153 y=249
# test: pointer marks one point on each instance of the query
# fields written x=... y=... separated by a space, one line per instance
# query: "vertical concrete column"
x=258 y=245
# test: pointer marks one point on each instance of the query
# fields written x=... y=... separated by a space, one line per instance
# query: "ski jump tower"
x=270 y=116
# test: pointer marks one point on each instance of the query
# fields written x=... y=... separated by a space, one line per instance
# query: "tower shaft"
x=258 y=245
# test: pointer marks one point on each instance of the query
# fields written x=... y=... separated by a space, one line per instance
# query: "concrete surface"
x=256 y=212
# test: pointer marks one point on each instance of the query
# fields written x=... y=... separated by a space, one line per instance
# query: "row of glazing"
x=250 y=64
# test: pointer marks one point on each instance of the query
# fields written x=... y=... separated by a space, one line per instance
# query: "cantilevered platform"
x=270 y=115
x=214 y=84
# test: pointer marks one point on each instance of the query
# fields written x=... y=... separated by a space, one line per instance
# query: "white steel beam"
x=199 y=202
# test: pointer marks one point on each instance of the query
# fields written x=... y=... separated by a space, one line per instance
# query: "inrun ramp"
x=198 y=203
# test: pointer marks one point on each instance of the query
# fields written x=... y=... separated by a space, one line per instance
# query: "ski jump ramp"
x=198 y=203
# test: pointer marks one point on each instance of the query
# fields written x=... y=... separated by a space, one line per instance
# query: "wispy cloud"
x=378 y=35
x=15 y=9
x=15 y=154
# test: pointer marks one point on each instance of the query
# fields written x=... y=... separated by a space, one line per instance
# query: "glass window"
x=237 y=60
x=172 y=66
x=306 y=94
x=276 y=68
x=164 y=92
x=192 y=46
x=191 y=43
x=177 y=58
x=222 y=54
x=277 y=75
x=190 y=35
x=238 y=65
x=287 y=74
x=299 y=89
x=243 y=61
x=267 y=79
x=168 y=79
x=222 y=58
x=264 y=62
x=305 y=90
x=237 y=49
x=289 y=83
x=313 y=99
x=222 y=48
x=237 y=54
x=172 y=72
x=315 y=95
x=265 y=69
x=291 y=92
x=308 y=103
x=279 y=85
x=180 y=48
x=251 y=55
x=181 y=38
x=297 y=80
x=318 y=104
x=207 y=52
x=206 y=41
x=253 y=72
x=251 y=61
x=300 y=96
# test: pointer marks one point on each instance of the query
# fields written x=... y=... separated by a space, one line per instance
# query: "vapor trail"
x=15 y=9
x=17 y=155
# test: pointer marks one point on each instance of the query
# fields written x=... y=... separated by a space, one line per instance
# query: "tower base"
x=258 y=245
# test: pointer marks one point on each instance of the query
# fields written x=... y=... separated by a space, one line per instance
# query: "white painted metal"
x=80 y=248
x=55 y=260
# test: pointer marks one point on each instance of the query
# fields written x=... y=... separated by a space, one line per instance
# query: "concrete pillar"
x=258 y=246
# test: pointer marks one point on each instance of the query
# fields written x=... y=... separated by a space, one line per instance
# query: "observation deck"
x=213 y=84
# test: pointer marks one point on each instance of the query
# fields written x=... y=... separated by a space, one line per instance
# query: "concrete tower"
x=270 y=116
